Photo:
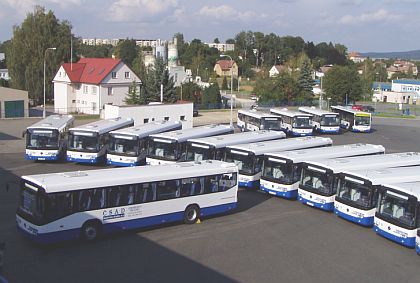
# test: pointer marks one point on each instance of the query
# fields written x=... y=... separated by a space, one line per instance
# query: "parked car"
x=368 y=108
x=357 y=107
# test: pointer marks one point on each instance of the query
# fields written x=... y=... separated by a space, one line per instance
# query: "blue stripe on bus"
x=288 y=195
x=418 y=249
x=85 y=160
x=407 y=242
x=360 y=131
x=124 y=164
x=329 y=131
x=72 y=234
x=300 y=134
x=249 y=184
x=41 y=157
x=363 y=221
x=325 y=206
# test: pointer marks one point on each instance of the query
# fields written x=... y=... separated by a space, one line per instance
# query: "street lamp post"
x=231 y=87
x=44 y=113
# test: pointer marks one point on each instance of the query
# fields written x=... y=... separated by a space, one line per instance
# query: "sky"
x=361 y=25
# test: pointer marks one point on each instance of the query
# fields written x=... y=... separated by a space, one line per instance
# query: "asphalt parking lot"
x=266 y=239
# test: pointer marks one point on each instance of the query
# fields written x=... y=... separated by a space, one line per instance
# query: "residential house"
x=86 y=86
x=223 y=68
x=400 y=66
x=356 y=57
x=277 y=69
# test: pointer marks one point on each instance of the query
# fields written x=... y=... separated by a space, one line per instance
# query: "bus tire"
x=191 y=214
x=91 y=230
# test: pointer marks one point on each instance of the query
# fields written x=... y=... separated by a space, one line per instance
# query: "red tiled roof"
x=224 y=64
x=90 y=70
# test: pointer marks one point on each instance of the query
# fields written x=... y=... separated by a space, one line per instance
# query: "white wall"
x=153 y=113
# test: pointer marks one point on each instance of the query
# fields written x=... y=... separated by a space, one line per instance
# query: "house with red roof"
x=86 y=86
x=223 y=68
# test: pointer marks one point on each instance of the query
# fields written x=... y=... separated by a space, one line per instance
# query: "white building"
x=4 y=74
x=277 y=69
x=143 y=114
x=91 y=83
x=222 y=47
x=179 y=75
x=2 y=56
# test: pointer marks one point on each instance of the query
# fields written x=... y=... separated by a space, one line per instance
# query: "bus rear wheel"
x=91 y=231
x=191 y=214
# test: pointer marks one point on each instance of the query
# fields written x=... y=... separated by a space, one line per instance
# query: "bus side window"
x=98 y=199
x=114 y=196
x=227 y=181
x=84 y=200
x=213 y=183
x=60 y=204
x=167 y=190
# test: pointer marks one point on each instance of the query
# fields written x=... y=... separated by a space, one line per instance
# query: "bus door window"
x=60 y=204
x=98 y=198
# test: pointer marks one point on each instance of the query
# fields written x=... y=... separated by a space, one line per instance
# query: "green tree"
x=156 y=77
x=216 y=40
x=305 y=80
x=40 y=30
x=341 y=81
x=132 y=95
x=224 y=83
x=190 y=92
x=138 y=66
x=283 y=89
x=210 y=97
x=127 y=51
x=95 y=51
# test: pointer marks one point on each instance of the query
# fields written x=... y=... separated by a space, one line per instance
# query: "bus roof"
x=387 y=175
x=316 y=111
x=336 y=151
x=258 y=114
x=288 y=113
x=104 y=126
x=349 y=110
x=368 y=162
x=193 y=133
x=259 y=148
x=53 y=122
x=409 y=188
x=232 y=139
x=79 y=180
x=145 y=130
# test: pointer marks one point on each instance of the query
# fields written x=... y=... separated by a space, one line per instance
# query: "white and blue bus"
x=281 y=171
x=323 y=121
x=89 y=143
x=249 y=156
x=129 y=146
x=47 y=139
x=214 y=147
x=294 y=123
x=318 y=183
x=357 y=191
x=254 y=120
x=397 y=217
x=354 y=120
x=86 y=204
x=171 y=147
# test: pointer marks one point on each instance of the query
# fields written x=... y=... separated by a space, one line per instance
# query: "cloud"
x=140 y=10
x=226 y=12
x=381 y=15
x=24 y=6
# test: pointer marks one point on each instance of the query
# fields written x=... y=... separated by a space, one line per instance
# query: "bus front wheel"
x=191 y=214
x=91 y=231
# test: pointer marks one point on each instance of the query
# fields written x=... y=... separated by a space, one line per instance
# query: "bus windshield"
x=302 y=122
x=397 y=209
x=244 y=162
x=163 y=150
x=317 y=181
x=198 y=153
x=330 y=120
x=354 y=192
x=42 y=139
x=83 y=141
x=32 y=203
x=362 y=120
x=278 y=171
x=271 y=124
x=120 y=146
